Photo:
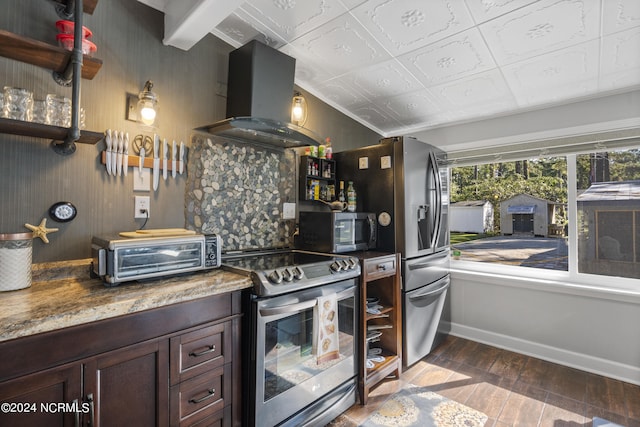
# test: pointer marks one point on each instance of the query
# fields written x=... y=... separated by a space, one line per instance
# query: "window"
x=608 y=206
x=530 y=204
x=511 y=213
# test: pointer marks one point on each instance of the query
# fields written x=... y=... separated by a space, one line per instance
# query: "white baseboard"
x=596 y=365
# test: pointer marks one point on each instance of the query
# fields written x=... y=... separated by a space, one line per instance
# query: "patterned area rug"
x=417 y=406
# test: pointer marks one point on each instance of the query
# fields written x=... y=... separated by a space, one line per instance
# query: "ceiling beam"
x=186 y=22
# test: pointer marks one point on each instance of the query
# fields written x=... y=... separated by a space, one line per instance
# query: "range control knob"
x=275 y=277
x=287 y=275
x=336 y=266
x=344 y=264
x=298 y=273
x=353 y=263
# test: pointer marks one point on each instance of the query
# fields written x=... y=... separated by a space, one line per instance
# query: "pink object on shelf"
x=66 y=41
x=66 y=27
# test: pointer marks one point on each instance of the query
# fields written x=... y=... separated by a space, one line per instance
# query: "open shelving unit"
x=56 y=59
x=380 y=280
x=320 y=171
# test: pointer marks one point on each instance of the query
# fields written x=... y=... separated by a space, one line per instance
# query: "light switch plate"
x=385 y=162
x=141 y=181
x=363 y=163
x=289 y=211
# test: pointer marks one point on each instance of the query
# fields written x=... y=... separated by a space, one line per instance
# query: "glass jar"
x=15 y=261
x=58 y=111
x=18 y=104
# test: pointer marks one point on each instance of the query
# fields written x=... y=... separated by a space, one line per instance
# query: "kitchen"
x=190 y=85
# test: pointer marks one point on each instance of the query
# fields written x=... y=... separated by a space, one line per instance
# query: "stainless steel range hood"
x=259 y=94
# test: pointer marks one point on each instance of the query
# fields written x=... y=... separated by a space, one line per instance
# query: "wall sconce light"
x=143 y=108
x=298 y=109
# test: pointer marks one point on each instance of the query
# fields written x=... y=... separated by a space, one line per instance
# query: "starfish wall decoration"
x=41 y=230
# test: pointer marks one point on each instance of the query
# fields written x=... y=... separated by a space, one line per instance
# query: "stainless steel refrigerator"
x=405 y=183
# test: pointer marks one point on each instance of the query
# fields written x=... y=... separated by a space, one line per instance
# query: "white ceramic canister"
x=15 y=261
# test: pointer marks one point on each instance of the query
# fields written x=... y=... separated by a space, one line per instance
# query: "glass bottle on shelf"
x=351 y=197
x=341 y=196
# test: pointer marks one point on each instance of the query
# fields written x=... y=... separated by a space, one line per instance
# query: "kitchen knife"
x=156 y=162
x=120 y=140
x=107 y=140
x=125 y=158
x=114 y=152
x=141 y=160
x=165 y=158
x=181 y=157
x=174 y=154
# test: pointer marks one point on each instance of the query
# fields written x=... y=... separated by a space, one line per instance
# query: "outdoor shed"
x=525 y=214
x=608 y=237
x=473 y=216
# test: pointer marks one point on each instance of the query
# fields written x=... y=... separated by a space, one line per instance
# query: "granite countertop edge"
x=63 y=295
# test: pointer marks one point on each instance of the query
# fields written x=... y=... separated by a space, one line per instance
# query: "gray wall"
x=190 y=86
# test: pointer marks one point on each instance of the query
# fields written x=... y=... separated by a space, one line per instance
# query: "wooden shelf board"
x=382 y=369
x=43 y=55
x=38 y=130
x=88 y=6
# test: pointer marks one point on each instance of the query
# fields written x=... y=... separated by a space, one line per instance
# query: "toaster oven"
x=117 y=260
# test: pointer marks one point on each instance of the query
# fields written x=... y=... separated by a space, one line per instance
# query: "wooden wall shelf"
x=43 y=55
x=38 y=130
x=88 y=6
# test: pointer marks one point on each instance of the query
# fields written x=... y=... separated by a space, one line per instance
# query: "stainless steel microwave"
x=337 y=232
x=123 y=259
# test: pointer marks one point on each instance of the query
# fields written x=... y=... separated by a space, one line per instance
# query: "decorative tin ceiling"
x=400 y=66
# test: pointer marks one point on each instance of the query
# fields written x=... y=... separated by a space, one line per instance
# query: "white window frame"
x=571 y=281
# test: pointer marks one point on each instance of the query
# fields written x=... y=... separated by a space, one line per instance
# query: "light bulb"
x=148 y=115
x=297 y=111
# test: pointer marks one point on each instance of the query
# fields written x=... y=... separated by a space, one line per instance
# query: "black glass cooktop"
x=261 y=261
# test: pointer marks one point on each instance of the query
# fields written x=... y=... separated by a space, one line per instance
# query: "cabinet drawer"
x=375 y=268
x=200 y=351
x=219 y=419
x=197 y=398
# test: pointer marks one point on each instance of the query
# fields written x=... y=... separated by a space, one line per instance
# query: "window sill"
x=622 y=289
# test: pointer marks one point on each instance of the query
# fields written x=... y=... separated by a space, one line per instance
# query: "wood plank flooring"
x=511 y=389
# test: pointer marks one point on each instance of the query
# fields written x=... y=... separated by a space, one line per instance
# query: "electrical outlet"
x=141 y=206
x=289 y=211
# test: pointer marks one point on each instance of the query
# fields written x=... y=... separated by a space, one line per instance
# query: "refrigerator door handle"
x=437 y=211
x=424 y=295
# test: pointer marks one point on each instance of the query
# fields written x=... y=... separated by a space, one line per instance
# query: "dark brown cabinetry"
x=26 y=395
x=317 y=179
x=177 y=365
x=381 y=320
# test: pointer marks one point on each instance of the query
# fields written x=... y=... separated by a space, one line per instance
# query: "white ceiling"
x=400 y=66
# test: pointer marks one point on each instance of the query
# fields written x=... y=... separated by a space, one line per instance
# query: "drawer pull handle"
x=382 y=267
x=210 y=349
x=210 y=393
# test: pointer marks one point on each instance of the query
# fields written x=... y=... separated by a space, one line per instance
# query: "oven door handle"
x=289 y=308
x=299 y=306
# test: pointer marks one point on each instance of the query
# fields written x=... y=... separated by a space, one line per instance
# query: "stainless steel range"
x=300 y=336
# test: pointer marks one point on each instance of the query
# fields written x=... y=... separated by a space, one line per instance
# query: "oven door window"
x=344 y=233
x=289 y=358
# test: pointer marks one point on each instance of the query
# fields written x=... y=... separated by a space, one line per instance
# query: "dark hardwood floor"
x=511 y=389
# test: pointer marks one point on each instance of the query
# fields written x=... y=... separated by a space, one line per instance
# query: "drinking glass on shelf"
x=39 y=111
x=18 y=104
x=58 y=111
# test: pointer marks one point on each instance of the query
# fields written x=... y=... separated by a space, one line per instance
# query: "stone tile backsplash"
x=237 y=190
